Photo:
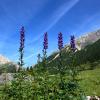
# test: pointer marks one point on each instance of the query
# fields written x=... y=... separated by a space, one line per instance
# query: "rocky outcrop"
x=81 y=42
x=4 y=60
x=87 y=39
x=6 y=77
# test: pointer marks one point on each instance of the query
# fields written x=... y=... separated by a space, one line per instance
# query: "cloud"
x=14 y=14
x=90 y=23
x=83 y=25
x=17 y=13
x=56 y=16
x=29 y=57
x=21 y=11
x=65 y=8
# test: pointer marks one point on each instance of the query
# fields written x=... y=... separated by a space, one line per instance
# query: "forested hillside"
x=90 y=54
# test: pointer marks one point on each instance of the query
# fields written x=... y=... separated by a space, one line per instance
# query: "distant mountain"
x=88 y=51
x=4 y=60
x=89 y=54
x=87 y=39
x=81 y=43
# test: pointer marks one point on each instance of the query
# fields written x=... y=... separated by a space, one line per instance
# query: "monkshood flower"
x=72 y=43
x=21 y=48
x=60 y=41
x=45 y=47
x=45 y=43
x=22 y=38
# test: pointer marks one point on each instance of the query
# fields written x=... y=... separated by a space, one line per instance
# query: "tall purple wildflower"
x=72 y=43
x=60 y=41
x=45 y=43
x=21 y=49
x=45 y=47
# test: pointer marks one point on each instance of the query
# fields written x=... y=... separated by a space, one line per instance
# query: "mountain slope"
x=81 y=43
x=7 y=66
x=88 y=39
x=4 y=60
x=90 y=54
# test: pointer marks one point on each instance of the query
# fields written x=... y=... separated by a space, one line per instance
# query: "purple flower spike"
x=45 y=43
x=60 y=41
x=21 y=49
x=22 y=38
x=72 y=43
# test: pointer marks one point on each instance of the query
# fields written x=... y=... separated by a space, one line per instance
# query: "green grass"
x=90 y=81
x=1 y=90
